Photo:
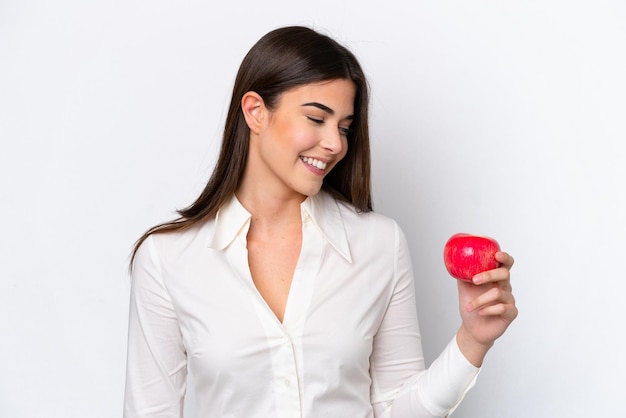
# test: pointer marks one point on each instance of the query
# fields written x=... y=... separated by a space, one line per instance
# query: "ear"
x=254 y=111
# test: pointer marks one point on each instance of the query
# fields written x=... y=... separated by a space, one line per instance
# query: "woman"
x=279 y=288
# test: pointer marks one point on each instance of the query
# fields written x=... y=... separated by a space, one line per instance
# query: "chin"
x=309 y=191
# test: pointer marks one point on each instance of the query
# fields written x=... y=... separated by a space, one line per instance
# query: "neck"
x=270 y=210
x=268 y=200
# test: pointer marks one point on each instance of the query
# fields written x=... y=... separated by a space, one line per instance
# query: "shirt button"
x=287 y=382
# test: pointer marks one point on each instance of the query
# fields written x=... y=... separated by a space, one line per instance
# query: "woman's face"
x=304 y=137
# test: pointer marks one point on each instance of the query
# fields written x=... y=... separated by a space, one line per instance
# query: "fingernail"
x=469 y=307
x=478 y=279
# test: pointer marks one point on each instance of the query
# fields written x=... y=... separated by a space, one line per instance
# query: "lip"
x=315 y=165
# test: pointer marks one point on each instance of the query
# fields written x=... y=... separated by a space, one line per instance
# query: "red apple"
x=466 y=255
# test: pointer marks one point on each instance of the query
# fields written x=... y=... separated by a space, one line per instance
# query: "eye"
x=345 y=131
x=315 y=120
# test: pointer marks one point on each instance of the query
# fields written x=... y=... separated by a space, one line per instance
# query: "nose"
x=333 y=141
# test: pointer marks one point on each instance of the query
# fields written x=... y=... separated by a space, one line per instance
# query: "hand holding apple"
x=486 y=301
x=466 y=255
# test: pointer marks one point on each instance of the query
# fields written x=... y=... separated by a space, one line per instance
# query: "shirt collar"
x=230 y=220
x=322 y=209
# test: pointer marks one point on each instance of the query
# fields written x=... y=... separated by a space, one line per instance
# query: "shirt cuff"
x=442 y=387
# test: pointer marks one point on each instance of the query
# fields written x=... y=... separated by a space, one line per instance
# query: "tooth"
x=315 y=163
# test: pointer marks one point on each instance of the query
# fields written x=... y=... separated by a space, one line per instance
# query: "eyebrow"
x=325 y=108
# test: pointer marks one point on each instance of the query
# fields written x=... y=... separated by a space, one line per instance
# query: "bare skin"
x=292 y=148
x=487 y=307
x=274 y=243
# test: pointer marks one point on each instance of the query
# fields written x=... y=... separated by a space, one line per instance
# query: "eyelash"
x=344 y=131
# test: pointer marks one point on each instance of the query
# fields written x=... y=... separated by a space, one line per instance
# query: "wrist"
x=471 y=349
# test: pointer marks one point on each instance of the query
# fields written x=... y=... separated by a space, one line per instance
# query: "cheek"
x=294 y=135
x=303 y=140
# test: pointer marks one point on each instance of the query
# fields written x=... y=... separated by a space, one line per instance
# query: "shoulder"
x=369 y=222
x=376 y=240
x=163 y=245
x=371 y=229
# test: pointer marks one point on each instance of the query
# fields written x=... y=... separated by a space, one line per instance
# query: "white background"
x=500 y=118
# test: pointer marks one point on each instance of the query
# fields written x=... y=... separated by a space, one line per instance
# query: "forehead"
x=338 y=95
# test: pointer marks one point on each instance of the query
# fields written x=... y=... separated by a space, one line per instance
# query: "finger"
x=503 y=310
x=505 y=259
x=495 y=295
x=500 y=274
x=489 y=297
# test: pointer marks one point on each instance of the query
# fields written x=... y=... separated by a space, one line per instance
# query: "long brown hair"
x=281 y=60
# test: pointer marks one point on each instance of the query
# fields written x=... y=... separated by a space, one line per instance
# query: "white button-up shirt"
x=349 y=344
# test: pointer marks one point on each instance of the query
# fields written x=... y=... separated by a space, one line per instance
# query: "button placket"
x=288 y=403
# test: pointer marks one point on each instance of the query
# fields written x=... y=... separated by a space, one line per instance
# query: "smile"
x=315 y=163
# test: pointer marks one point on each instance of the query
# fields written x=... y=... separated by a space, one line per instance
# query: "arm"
x=401 y=384
x=156 y=365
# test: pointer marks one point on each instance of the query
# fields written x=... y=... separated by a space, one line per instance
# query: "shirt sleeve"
x=402 y=387
x=156 y=367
